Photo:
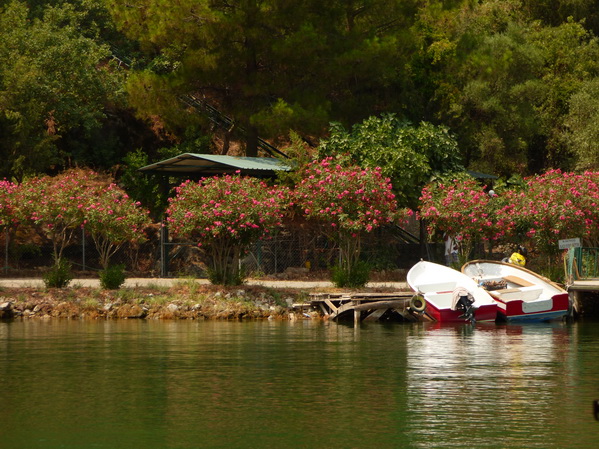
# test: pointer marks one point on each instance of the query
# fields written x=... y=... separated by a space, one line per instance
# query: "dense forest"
x=104 y=83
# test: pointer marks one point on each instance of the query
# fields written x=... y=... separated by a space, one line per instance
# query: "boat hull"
x=483 y=313
x=513 y=311
x=526 y=296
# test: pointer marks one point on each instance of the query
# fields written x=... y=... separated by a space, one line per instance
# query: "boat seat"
x=441 y=300
x=524 y=293
x=518 y=281
x=508 y=290
x=437 y=287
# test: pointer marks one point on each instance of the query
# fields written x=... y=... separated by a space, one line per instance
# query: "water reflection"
x=470 y=382
x=150 y=384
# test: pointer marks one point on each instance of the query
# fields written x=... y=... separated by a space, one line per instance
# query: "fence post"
x=259 y=254
x=276 y=247
x=6 y=250
x=83 y=246
x=163 y=251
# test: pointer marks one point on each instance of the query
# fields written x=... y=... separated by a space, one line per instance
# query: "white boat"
x=441 y=285
x=521 y=294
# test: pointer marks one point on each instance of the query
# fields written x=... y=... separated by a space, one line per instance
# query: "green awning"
x=203 y=165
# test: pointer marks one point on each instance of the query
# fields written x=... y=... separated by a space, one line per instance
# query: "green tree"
x=273 y=65
x=151 y=190
x=502 y=77
x=556 y=12
x=409 y=155
x=581 y=134
x=52 y=85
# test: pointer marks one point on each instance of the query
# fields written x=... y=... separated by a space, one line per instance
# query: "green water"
x=138 y=384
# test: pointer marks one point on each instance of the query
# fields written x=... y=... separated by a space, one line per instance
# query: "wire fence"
x=27 y=253
x=291 y=249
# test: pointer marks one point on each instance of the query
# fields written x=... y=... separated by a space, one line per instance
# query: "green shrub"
x=356 y=277
x=226 y=277
x=113 y=277
x=27 y=251
x=59 y=276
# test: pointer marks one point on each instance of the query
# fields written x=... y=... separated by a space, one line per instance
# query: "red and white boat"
x=521 y=294
x=440 y=285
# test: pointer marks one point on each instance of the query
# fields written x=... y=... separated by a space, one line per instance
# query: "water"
x=142 y=384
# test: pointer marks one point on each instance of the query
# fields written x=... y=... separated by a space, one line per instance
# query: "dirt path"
x=166 y=282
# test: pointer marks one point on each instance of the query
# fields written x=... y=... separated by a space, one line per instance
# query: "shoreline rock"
x=176 y=303
x=6 y=310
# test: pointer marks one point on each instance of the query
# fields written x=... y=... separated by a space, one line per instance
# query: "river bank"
x=162 y=299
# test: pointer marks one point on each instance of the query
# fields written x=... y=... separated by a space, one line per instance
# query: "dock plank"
x=375 y=315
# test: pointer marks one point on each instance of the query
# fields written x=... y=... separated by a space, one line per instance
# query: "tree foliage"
x=409 y=155
x=272 y=64
x=504 y=73
x=52 y=87
x=348 y=201
x=224 y=215
x=59 y=206
x=512 y=80
x=544 y=209
x=581 y=133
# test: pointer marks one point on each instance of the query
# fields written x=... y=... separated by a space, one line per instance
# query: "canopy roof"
x=202 y=165
x=193 y=165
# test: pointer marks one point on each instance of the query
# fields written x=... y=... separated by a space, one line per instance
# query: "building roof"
x=202 y=165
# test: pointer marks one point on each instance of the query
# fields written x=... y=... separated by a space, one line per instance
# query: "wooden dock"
x=584 y=294
x=367 y=306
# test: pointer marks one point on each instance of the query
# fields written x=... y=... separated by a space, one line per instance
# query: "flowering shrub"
x=225 y=214
x=112 y=218
x=60 y=205
x=554 y=206
x=56 y=205
x=461 y=209
x=348 y=201
x=7 y=203
x=550 y=207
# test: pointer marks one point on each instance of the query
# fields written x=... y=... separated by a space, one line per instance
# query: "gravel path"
x=160 y=282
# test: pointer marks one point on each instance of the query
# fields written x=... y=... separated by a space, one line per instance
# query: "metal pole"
x=164 y=262
x=259 y=253
x=276 y=242
x=6 y=250
x=162 y=252
x=83 y=245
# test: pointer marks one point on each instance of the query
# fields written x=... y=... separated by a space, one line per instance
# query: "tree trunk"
x=251 y=143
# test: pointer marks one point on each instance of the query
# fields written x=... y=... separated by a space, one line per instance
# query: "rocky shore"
x=182 y=301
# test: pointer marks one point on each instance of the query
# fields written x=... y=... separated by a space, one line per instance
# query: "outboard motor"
x=463 y=301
